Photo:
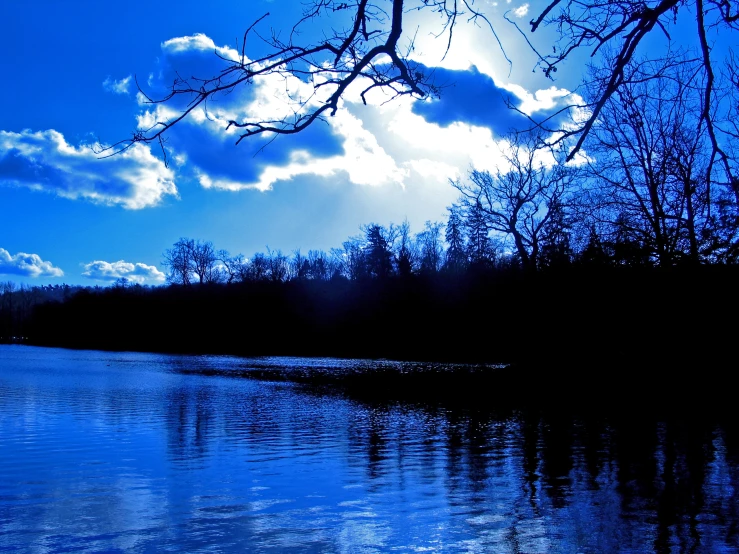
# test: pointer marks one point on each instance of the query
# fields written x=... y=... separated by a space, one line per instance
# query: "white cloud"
x=521 y=11
x=107 y=271
x=364 y=161
x=44 y=161
x=201 y=42
x=118 y=87
x=27 y=265
x=460 y=145
x=541 y=100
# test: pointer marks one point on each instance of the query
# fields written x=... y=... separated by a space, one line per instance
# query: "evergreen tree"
x=456 y=257
x=594 y=253
x=379 y=256
x=479 y=247
x=556 y=249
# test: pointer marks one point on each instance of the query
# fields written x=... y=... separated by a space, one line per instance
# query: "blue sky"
x=68 y=70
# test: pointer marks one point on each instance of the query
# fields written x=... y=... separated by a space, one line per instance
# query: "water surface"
x=137 y=452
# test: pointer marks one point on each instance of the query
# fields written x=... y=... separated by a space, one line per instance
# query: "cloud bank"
x=106 y=271
x=44 y=161
x=26 y=265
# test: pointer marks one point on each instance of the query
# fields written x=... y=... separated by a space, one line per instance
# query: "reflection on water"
x=143 y=452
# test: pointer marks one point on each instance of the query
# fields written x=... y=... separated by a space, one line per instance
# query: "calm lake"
x=134 y=452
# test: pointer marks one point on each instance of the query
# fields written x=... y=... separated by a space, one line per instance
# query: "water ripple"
x=135 y=452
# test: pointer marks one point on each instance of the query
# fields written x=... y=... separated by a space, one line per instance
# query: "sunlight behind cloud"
x=382 y=143
x=363 y=161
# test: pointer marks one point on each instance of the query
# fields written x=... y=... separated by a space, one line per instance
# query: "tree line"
x=482 y=310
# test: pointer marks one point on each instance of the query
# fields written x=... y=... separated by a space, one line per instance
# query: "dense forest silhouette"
x=441 y=295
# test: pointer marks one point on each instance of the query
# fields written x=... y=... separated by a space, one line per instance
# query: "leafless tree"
x=612 y=34
x=322 y=267
x=189 y=260
x=430 y=248
x=517 y=200
x=299 y=266
x=230 y=266
x=651 y=156
x=178 y=263
x=204 y=262
x=256 y=269
x=406 y=251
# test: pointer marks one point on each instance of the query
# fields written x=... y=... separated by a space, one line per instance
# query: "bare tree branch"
x=369 y=49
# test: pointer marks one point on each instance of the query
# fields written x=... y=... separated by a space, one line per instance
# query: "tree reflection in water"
x=177 y=457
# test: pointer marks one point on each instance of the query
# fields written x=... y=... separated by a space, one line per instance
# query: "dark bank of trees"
x=450 y=292
x=18 y=302
x=630 y=255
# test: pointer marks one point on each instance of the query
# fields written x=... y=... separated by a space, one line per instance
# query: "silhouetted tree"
x=516 y=200
x=379 y=255
x=405 y=253
x=626 y=243
x=431 y=250
x=257 y=268
x=204 y=262
x=279 y=268
x=352 y=259
x=178 y=262
x=189 y=260
x=556 y=249
x=321 y=266
x=479 y=246
x=7 y=319
x=650 y=155
x=613 y=33
x=299 y=266
x=231 y=267
x=594 y=253
x=456 y=256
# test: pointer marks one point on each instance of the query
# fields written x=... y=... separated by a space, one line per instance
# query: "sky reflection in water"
x=145 y=452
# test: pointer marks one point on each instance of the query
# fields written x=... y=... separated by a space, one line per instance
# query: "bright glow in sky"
x=69 y=87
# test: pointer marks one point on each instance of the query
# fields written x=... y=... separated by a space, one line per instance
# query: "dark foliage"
x=573 y=316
